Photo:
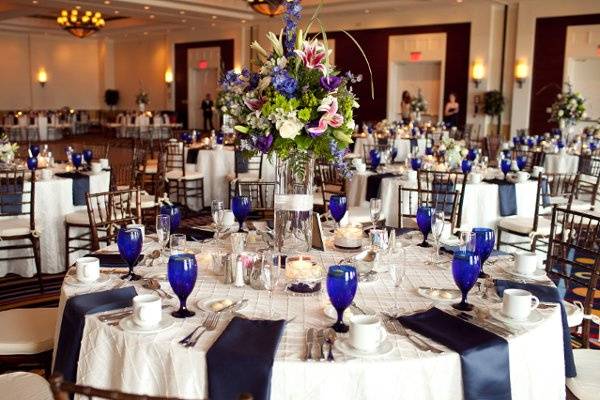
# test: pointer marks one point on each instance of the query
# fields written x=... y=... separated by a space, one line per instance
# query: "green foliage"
x=493 y=103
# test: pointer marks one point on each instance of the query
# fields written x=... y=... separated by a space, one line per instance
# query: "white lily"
x=256 y=46
x=299 y=40
x=276 y=43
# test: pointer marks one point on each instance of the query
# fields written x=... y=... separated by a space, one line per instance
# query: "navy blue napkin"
x=81 y=185
x=545 y=192
x=241 y=360
x=483 y=355
x=547 y=294
x=10 y=202
x=192 y=156
x=113 y=260
x=241 y=163
x=507 y=196
x=73 y=322
x=373 y=184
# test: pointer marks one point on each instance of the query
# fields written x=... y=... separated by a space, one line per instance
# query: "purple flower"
x=311 y=132
x=285 y=84
x=291 y=18
x=264 y=143
x=330 y=83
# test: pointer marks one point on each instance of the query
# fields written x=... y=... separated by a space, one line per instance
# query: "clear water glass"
x=178 y=243
x=398 y=271
x=437 y=228
x=270 y=270
x=218 y=214
x=163 y=231
x=375 y=210
x=238 y=242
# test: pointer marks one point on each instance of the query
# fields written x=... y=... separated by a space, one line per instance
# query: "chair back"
x=332 y=183
x=15 y=200
x=175 y=156
x=249 y=167
x=589 y=177
x=262 y=195
x=534 y=158
x=410 y=199
x=573 y=261
x=109 y=211
x=445 y=182
x=367 y=150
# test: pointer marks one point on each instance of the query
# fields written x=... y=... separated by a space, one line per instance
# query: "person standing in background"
x=405 y=107
x=207 y=111
x=451 y=111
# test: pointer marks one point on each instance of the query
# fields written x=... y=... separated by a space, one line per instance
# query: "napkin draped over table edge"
x=81 y=186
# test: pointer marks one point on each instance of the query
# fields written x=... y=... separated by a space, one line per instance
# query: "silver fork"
x=202 y=325
x=213 y=320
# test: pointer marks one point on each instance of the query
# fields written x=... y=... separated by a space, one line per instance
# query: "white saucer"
x=535 y=317
x=538 y=274
x=439 y=295
x=384 y=348
x=330 y=312
x=72 y=281
x=205 y=305
x=165 y=323
x=161 y=276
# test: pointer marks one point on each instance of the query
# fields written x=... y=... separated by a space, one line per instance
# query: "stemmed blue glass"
x=129 y=241
x=88 y=155
x=174 y=213
x=466 y=166
x=428 y=151
x=338 y=206
x=32 y=163
x=393 y=153
x=530 y=142
x=35 y=150
x=416 y=163
x=424 y=223
x=560 y=143
x=342 y=281
x=219 y=137
x=186 y=137
x=485 y=240
x=505 y=165
x=241 y=207
x=516 y=140
x=521 y=162
x=182 y=271
x=465 y=270
x=472 y=154
x=375 y=157
x=76 y=160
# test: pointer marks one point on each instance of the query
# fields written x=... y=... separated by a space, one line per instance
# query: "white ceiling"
x=143 y=17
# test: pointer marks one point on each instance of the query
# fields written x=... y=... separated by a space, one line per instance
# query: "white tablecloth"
x=53 y=200
x=561 y=163
x=403 y=146
x=158 y=365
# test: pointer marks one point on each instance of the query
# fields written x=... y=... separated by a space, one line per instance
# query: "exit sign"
x=202 y=64
x=416 y=56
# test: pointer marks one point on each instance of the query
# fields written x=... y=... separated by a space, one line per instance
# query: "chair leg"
x=66 y=247
x=38 y=261
x=499 y=238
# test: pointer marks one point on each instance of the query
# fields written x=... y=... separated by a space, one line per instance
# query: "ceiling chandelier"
x=80 y=24
x=270 y=8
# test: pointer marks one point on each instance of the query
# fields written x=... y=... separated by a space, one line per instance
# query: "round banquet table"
x=402 y=144
x=53 y=200
x=218 y=168
x=561 y=163
x=157 y=365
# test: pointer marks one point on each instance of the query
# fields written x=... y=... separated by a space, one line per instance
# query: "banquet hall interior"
x=299 y=199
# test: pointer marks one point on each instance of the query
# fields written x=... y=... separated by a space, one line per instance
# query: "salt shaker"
x=239 y=273
x=229 y=263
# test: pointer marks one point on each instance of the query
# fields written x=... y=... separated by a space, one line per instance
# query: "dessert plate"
x=535 y=317
x=72 y=281
x=165 y=323
x=450 y=295
x=538 y=274
x=385 y=347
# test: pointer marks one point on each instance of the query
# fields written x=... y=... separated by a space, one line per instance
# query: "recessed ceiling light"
x=34 y=2
x=152 y=16
x=184 y=20
x=146 y=7
x=367 y=11
x=181 y=12
x=243 y=21
x=116 y=11
x=107 y=2
x=214 y=17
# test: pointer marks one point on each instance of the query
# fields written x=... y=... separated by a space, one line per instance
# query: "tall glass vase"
x=294 y=203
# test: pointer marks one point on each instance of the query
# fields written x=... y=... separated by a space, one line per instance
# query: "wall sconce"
x=42 y=77
x=169 y=77
x=477 y=73
x=521 y=73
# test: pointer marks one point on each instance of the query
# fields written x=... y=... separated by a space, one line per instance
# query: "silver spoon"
x=153 y=256
x=330 y=337
x=154 y=284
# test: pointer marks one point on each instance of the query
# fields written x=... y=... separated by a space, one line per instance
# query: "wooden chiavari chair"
x=573 y=264
x=589 y=179
x=331 y=183
x=410 y=199
x=245 y=170
x=445 y=182
x=491 y=146
x=17 y=209
x=262 y=195
x=109 y=211
x=534 y=158
x=185 y=185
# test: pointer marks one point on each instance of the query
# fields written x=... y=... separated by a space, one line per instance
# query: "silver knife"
x=310 y=338
x=417 y=341
x=320 y=342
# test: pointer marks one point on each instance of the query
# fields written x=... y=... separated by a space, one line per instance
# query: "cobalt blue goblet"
x=485 y=240
x=87 y=156
x=472 y=154
x=338 y=206
x=560 y=143
x=394 y=153
x=219 y=138
x=182 y=271
x=375 y=157
x=516 y=140
x=186 y=137
x=521 y=162
x=35 y=150
x=593 y=146
x=342 y=281
x=32 y=163
x=416 y=163
x=505 y=165
x=465 y=270
x=174 y=213
x=129 y=242
x=530 y=142
x=466 y=166
x=523 y=140
x=428 y=151
x=424 y=223
x=76 y=159
x=241 y=207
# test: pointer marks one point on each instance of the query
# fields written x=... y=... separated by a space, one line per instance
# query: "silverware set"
x=394 y=327
x=319 y=344
x=113 y=318
x=209 y=324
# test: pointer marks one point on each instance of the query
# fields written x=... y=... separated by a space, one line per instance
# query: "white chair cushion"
x=147 y=201
x=524 y=225
x=78 y=218
x=318 y=198
x=24 y=386
x=14 y=226
x=586 y=386
x=178 y=175
x=27 y=330
x=580 y=205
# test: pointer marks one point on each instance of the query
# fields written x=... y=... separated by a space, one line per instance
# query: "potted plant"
x=493 y=105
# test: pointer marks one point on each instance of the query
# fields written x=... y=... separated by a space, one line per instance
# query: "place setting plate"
x=219 y=304
x=71 y=280
x=438 y=294
x=535 y=317
x=166 y=322
x=343 y=345
x=538 y=275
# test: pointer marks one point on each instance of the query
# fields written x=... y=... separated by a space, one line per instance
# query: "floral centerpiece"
x=7 y=149
x=568 y=108
x=453 y=151
x=418 y=105
x=296 y=108
x=142 y=100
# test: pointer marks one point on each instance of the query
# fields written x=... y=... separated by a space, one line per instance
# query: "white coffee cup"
x=366 y=332
x=46 y=174
x=228 y=218
x=537 y=170
x=476 y=177
x=87 y=269
x=357 y=162
x=412 y=175
x=518 y=303
x=96 y=167
x=526 y=263
x=147 y=310
x=104 y=163
x=141 y=227
x=522 y=176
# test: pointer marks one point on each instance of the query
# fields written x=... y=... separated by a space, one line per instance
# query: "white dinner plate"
x=160 y=275
x=384 y=348
x=165 y=323
x=538 y=274
x=206 y=304
x=72 y=281
x=535 y=317
x=450 y=295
